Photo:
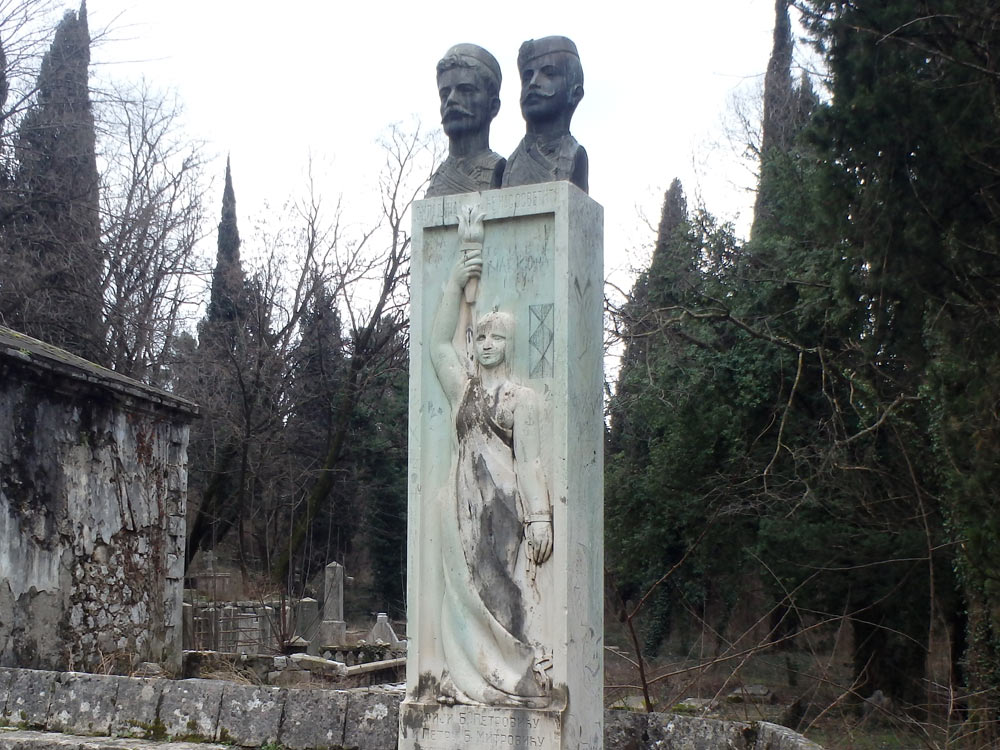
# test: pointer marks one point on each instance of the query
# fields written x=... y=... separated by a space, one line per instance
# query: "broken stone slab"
x=136 y=708
x=319 y=665
x=29 y=698
x=315 y=718
x=250 y=716
x=372 y=719
x=695 y=706
x=752 y=694
x=630 y=703
x=374 y=666
x=83 y=703
x=190 y=708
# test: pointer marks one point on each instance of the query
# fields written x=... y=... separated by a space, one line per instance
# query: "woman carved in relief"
x=496 y=514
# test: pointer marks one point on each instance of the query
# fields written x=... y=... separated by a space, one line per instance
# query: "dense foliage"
x=814 y=410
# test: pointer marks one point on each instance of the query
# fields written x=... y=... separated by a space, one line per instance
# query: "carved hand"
x=538 y=534
x=470 y=236
x=469 y=267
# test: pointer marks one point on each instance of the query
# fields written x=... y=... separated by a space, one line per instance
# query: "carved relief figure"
x=468 y=80
x=551 y=88
x=496 y=512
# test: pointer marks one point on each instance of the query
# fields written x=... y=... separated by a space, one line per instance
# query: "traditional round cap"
x=545 y=46
x=473 y=53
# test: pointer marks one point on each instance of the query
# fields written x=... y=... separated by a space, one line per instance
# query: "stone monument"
x=333 y=629
x=468 y=79
x=551 y=88
x=505 y=521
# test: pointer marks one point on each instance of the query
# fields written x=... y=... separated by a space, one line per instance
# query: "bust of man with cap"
x=468 y=79
x=551 y=87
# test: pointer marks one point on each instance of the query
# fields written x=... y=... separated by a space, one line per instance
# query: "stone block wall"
x=297 y=719
x=93 y=483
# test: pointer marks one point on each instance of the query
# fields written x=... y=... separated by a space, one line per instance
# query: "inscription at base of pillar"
x=438 y=727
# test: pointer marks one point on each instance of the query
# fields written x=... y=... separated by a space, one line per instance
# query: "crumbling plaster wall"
x=93 y=485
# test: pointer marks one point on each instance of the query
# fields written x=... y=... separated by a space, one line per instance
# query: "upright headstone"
x=333 y=629
x=505 y=524
x=307 y=622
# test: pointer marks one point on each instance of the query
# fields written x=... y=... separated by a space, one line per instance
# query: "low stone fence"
x=298 y=719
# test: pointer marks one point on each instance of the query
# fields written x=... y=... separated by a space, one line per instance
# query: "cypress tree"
x=910 y=153
x=53 y=289
x=216 y=445
x=227 y=303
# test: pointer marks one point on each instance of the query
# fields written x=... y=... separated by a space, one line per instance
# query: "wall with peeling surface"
x=93 y=482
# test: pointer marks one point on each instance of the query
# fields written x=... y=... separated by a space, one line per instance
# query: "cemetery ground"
x=804 y=685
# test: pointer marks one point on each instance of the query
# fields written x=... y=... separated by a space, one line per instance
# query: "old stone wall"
x=297 y=719
x=93 y=481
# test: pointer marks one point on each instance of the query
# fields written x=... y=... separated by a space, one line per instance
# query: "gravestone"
x=505 y=558
x=333 y=628
x=382 y=631
x=307 y=622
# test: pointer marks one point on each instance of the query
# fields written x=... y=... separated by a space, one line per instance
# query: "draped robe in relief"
x=488 y=655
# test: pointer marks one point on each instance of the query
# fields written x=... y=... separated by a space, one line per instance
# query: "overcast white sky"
x=271 y=82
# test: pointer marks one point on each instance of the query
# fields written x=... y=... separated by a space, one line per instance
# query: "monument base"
x=332 y=633
x=433 y=726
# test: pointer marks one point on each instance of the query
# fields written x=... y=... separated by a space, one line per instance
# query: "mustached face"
x=546 y=90
x=466 y=103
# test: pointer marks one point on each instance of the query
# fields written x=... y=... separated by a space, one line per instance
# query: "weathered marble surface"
x=540 y=282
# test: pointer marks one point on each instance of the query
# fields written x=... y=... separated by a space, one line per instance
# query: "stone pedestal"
x=541 y=248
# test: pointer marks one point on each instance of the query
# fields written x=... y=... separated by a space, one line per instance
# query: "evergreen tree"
x=217 y=453
x=672 y=436
x=53 y=281
x=227 y=303
x=909 y=152
x=771 y=413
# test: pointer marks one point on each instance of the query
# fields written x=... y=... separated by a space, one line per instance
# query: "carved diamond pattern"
x=541 y=325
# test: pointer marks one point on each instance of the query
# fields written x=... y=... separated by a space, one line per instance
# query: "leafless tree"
x=152 y=217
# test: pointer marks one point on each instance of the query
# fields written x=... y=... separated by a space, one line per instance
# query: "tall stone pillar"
x=505 y=525
x=333 y=629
